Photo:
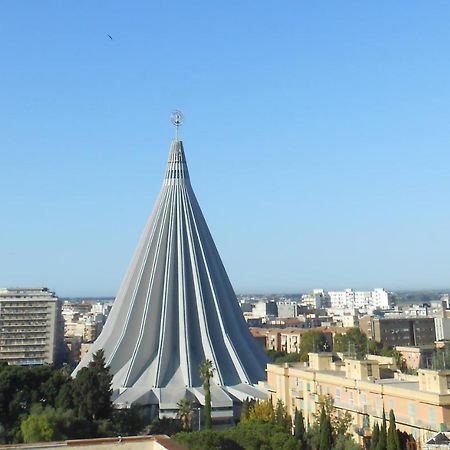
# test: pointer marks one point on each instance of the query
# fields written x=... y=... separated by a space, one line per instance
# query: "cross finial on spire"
x=177 y=119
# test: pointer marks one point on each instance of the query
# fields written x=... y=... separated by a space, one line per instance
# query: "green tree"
x=340 y=423
x=312 y=341
x=206 y=372
x=38 y=428
x=345 y=443
x=127 y=421
x=281 y=415
x=53 y=385
x=20 y=388
x=382 y=440
x=375 y=437
x=326 y=432
x=185 y=413
x=353 y=341
x=44 y=423
x=262 y=411
x=280 y=357
x=393 y=440
x=299 y=429
x=164 y=426
x=206 y=440
x=92 y=389
x=64 y=397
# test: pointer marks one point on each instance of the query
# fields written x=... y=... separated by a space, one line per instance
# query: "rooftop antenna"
x=177 y=118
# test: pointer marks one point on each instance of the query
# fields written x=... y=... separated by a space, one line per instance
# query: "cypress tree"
x=393 y=440
x=375 y=437
x=299 y=429
x=92 y=389
x=322 y=416
x=382 y=440
x=280 y=414
x=326 y=434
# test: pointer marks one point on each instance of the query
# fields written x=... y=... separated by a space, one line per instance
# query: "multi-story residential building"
x=31 y=326
x=287 y=309
x=342 y=299
x=399 y=331
x=83 y=322
x=317 y=299
x=421 y=403
x=264 y=309
x=378 y=298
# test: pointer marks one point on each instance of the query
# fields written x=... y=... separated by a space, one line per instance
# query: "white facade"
x=442 y=326
x=317 y=299
x=31 y=326
x=379 y=298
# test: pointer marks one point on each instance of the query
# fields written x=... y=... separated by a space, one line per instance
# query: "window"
x=366 y=421
x=391 y=405
x=328 y=390
x=364 y=399
x=369 y=370
x=412 y=410
x=432 y=416
x=448 y=382
x=337 y=395
x=350 y=397
x=308 y=387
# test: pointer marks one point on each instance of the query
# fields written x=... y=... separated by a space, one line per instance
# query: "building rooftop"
x=156 y=442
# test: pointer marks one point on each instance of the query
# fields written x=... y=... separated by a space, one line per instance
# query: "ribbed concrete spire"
x=175 y=308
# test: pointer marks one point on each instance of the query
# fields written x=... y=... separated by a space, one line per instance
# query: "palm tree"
x=206 y=372
x=185 y=413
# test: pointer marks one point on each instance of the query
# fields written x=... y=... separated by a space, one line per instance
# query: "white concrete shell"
x=175 y=308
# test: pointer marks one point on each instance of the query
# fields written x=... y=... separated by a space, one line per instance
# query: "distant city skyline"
x=316 y=135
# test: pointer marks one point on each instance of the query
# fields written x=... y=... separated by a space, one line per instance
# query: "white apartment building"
x=378 y=298
x=31 y=326
x=317 y=299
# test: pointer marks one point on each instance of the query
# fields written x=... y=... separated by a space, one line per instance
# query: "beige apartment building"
x=421 y=403
x=31 y=327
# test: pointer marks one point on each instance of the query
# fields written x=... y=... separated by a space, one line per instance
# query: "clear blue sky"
x=317 y=135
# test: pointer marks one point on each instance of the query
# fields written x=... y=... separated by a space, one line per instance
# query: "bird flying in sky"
x=109 y=36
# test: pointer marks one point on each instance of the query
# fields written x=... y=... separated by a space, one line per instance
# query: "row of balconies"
x=22 y=343
x=27 y=354
x=22 y=304
x=7 y=333
x=22 y=314
x=13 y=318
x=24 y=335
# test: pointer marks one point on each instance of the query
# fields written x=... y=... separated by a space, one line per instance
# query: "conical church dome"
x=176 y=308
